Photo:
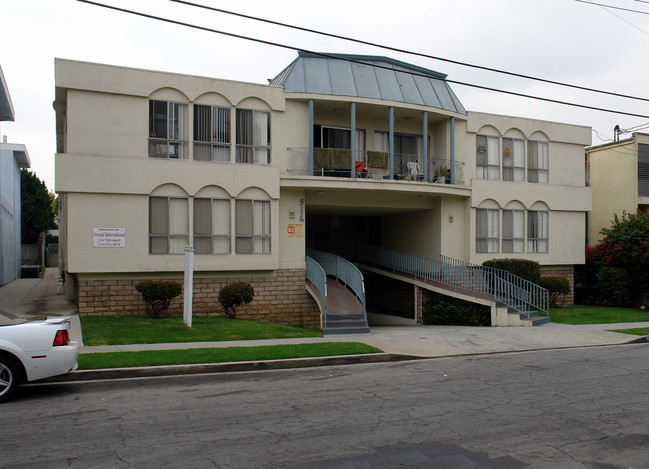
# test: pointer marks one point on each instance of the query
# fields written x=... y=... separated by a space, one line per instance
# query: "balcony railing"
x=336 y=162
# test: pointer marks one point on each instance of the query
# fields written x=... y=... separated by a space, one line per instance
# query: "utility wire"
x=588 y=2
x=403 y=51
x=284 y=46
x=607 y=9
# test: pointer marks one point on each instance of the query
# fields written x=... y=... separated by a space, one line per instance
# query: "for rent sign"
x=106 y=237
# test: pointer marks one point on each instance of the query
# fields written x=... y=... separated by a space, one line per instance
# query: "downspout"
x=391 y=144
x=425 y=134
x=353 y=141
x=310 y=137
x=452 y=150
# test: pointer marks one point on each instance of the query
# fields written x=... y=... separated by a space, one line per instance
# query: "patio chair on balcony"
x=414 y=171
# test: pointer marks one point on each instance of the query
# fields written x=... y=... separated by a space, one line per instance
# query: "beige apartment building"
x=618 y=174
x=336 y=151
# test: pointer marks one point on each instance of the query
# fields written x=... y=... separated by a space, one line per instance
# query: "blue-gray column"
x=353 y=140
x=452 y=150
x=425 y=136
x=310 y=137
x=391 y=143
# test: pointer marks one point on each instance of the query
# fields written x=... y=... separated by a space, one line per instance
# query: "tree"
x=625 y=245
x=37 y=206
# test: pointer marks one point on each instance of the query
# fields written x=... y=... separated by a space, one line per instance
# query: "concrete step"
x=345 y=330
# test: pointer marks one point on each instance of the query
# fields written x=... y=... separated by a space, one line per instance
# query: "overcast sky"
x=561 y=40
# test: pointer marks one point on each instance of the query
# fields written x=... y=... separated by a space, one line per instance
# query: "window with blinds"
x=643 y=170
x=487 y=157
x=487 y=230
x=168 y=225
x=513 y=231
x=538 y=162
x=252 y=227
x=537 y=231
x=212 y=232
x=211 y=133
x=253 y=136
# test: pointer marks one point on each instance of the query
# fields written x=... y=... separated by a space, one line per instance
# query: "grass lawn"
x=220 y=355
x=587 y=314
x=636 y=331
x=120 y=330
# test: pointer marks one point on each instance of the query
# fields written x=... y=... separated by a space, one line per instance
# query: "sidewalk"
x=38 y=297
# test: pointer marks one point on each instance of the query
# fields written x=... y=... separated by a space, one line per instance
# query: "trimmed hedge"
x=557 y=287
x=529 y=270
x=448 y=311
x=615 y=285
x=157 y=295
x=234 y=295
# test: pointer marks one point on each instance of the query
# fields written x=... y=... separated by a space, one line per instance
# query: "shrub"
x=234 y=295
x=157 y=295
x=557 y=287
x=447 y=311
x=524 y=268
x=615 y=285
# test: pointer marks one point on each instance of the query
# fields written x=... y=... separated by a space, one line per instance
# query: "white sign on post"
x=189 y=285
x=107 y=237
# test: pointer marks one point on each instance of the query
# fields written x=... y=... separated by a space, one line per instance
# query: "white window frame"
x=219 y=232
x=513 y=159
x=176 y=239
x=487 y=237
x=253 y=145
x=169 y=140
x=538 y=231
x=253 y=235
x=487 y=157
x=212 y=133
x=538 y=161
x=513 y=231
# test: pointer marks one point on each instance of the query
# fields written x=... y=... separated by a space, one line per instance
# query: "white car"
x=34 y=350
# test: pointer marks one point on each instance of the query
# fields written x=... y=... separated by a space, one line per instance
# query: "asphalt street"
x=570 y=408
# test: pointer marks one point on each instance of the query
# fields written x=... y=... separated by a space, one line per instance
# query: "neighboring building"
x=618 y=174
x=331 y=152
x=12 y=158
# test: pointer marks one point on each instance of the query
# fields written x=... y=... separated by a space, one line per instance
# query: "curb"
x=229 y=367
x=263 y=365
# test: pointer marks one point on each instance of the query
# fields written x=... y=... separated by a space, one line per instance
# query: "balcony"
x=336 y=162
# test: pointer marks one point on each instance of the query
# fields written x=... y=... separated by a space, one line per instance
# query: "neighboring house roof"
x=367 y=76
x=6 y=107
x=20 y=153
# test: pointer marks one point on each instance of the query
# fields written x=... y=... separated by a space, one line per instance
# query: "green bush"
x=234 y=295
x=157 y=295
x=615 y=285
x=447 y=311
x=557 y=287
x=529 y=270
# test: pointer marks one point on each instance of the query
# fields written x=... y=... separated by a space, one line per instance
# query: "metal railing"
x=438 y=168
x=343 y=270
x=317 y=276
x=504 y=287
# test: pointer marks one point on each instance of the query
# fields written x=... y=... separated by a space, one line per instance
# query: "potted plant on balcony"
x=440 y=174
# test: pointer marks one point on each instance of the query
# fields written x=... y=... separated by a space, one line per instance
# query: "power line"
x=606 y=8
x=588 y=2
x=284 y=46
x=403 y=51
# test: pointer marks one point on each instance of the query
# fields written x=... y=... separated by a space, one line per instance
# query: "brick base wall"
x=280 y=299
x=565 y=272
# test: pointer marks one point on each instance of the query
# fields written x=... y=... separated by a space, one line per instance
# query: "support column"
x=391 y=144
x=425 y=145
x=452 y=150
x=353 y=140
x=310 y=137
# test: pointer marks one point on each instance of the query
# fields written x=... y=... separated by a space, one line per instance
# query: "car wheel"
x=9 y=378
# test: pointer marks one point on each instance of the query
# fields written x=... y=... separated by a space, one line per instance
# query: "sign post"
x=189 y=285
